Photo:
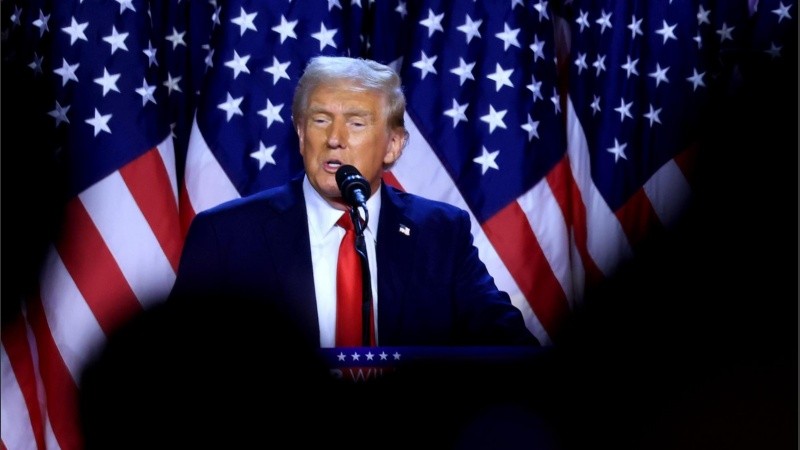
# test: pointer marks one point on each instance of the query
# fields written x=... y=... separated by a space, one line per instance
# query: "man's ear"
x=300 y=136
x=396 y=145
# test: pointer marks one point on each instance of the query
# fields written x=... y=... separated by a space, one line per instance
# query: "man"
x=429 y=286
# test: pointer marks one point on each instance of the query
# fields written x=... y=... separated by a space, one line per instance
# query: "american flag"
x=106 y=82
x=568 y=131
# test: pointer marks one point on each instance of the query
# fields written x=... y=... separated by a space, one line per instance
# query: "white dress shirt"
x=325 y=237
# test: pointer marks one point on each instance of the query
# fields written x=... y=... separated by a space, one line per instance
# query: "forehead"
x=345 y=94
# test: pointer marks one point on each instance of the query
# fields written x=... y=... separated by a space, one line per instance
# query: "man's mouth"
x=333 y=164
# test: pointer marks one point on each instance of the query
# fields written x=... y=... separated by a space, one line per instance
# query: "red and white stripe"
x=117 y=255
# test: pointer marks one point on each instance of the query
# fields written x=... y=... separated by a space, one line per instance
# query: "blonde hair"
x=369 y=74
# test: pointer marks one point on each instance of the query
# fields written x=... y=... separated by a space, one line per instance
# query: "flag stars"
x=176 y=38
x=286 y=29
x=116 y=40
x=618 y=150
x=396 y=64
x=508 y=36
x=231 y=106
x=36 y=64
x=60 y=114
x=487 y=160
x=702 y=16
x=532 y=127
x=541 y=8
x=278 y=70
x=99 y=122
x=401 y=9
x=583 y=20
x=774 y=51
x=624 y=110
x=580 y=61
x=433 y=23
x=470 y=28
x=630 y=66
x=125 y=4
x=667 y=31
x=604 y=21
x=783 y=12
x=76 y=31
x=696 y=79
x=494 y=119
x=238 y=64
x=150 y=52
x=245 y=21
x=599 y=64
x=555 y=99
x=215 y=17
x=15 y=16
x=67 y=72
x=537 y=48
x=325 y=37
x=463 y=71
x=659 y=74
x=536 y=89
x=209 y=59
x=457 y=112
x=653 y=115
x=172 y=84
x=425 y=64
x=635 y=26
x=501 y=77
x=272 y=113
x=725 y=33
x=146 y=91
x=595 y=105
x=108 y=82
x=699 y=39
x=264 y=155
x=41 y=23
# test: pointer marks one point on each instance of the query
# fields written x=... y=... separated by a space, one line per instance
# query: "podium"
x=364 y=364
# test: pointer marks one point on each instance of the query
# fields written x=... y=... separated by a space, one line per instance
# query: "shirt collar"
x=322 y=217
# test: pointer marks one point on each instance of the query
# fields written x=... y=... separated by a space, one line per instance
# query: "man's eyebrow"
x=357 y=112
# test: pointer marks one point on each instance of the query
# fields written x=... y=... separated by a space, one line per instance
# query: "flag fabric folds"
x=568 y=130
x=103 y=81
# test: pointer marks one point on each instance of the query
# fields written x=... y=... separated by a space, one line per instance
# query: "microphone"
x=353 y=186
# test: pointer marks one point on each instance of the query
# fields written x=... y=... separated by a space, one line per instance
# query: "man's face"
x=341 y=126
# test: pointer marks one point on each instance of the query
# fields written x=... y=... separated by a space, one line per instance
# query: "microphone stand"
x=366 y=279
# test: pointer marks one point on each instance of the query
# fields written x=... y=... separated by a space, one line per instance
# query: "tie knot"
x=345 y=221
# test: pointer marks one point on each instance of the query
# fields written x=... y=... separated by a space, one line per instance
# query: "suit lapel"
x=395 y=252
x=286 y=232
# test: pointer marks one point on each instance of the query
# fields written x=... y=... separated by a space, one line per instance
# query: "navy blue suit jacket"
x=432 y=287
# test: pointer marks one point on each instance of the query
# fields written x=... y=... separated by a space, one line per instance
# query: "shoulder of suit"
x=277 y=199
x=422 y=204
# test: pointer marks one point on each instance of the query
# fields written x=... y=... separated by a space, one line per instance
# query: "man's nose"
x=337 y=134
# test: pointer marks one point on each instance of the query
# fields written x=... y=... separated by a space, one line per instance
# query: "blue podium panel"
x=361 y=364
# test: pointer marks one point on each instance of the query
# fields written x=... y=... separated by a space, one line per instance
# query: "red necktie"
x=349 y=289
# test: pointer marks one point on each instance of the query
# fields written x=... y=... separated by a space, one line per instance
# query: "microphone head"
x=353 y=186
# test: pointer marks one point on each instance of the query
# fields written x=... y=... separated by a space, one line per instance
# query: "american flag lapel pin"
x=405 y=230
